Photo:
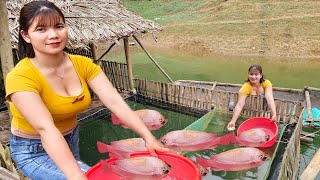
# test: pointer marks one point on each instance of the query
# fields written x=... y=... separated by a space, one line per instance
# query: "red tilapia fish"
x=235 y=160
x=144 y=167
x=122 y=148
x=256 y=137
x=189 y=140
x=152 y=119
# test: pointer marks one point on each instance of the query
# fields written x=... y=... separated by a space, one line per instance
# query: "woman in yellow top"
x=46 y=91
x=255 y=85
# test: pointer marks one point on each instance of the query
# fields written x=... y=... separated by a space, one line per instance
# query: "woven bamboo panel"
x=206 y=99
x=117 y=74
x=289 y=168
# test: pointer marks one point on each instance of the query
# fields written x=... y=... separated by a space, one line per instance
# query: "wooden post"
x=307 y=96
x=7 y=61
x=313 y=168
x=5 y=43
x=129 y=64
x=93 y=51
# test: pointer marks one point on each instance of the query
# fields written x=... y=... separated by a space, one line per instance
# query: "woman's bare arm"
x=271 y=103
x=114 y=102
x=237 y=110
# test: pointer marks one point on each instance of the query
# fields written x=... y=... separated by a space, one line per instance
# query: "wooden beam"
x=93 y=51
x=129 y=64
x=154 y=61
x=106 y=51
x=313 y=168
x=307 y=96
x=5 y=43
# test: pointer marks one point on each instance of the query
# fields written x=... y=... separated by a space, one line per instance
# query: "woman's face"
x=50 y=37
x=254 y=76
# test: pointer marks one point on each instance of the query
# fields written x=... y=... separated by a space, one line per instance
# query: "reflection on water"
x=283 y=72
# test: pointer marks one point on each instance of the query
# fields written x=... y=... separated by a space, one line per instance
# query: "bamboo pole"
x=307 y=94
x=239 y=85
x=106 y=51
x=129 y=64
x=154 y=61
x=6 y=57
x=5 y=43
x=93 y=51
x=312 y=88
x=313 y=168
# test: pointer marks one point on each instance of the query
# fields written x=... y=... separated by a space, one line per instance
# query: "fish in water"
x=190 y=140
x=235 y=160
x=255 y=137
x=143 y=167
x=153 y=119
x=122 y=148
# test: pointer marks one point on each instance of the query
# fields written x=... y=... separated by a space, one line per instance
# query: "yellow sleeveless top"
x=64 y=109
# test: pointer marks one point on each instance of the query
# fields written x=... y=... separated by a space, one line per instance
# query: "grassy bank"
x=238 y=27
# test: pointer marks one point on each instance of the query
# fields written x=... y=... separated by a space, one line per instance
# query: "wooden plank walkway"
x=312 y=169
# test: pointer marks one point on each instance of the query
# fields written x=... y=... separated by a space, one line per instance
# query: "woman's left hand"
x=274 y=118
x=154 y=145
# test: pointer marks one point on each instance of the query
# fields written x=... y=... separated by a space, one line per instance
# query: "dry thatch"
x=89 y=21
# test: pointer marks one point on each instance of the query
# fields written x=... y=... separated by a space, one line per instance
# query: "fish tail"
x=114 y=119
x=202 y=162
x=227 y=139
x=102 y=147
x=106 y=167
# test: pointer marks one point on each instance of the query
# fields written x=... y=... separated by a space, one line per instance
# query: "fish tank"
x=96 y=125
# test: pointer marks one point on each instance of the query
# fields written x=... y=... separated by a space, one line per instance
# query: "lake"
x=281 y=71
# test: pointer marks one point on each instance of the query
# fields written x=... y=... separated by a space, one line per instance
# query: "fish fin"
x=114 y=119
x=119 y=155
x=102 y=147
x=106 y=167
x=202 y=162
x=227 y=139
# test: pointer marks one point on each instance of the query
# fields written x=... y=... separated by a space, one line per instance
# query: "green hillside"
x=235 y=27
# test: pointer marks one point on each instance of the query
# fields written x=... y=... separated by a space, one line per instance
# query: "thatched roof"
x=89 y=21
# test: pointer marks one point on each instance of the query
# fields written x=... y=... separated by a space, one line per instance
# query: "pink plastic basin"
x=271 y=128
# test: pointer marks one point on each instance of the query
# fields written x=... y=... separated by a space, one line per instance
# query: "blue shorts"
x=33 y=161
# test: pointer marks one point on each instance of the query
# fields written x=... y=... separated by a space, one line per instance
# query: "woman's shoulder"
x=80 y=58
x=266 y=83
x=24 y=66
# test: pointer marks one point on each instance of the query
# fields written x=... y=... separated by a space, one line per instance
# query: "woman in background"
x=255 y=85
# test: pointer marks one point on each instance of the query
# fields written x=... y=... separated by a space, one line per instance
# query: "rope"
x=92 y=114
x=311 y=134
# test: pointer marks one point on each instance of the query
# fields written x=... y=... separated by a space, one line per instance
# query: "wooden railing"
x=206 y=99
x=117 y=74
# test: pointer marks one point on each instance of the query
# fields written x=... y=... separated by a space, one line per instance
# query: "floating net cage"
x=198 y=102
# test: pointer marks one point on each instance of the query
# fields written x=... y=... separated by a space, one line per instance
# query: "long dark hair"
x=44 y=11
x=259 y=68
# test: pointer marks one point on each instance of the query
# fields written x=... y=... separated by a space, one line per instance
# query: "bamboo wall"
x=117 y=74
x=205 y=99
x=289 y=168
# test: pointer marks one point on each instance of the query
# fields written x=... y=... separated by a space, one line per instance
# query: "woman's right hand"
x=231 y=126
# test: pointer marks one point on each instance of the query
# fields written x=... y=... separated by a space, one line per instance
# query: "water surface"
x=282 y=71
